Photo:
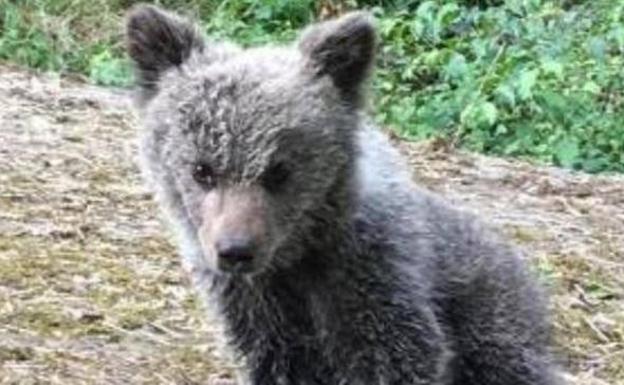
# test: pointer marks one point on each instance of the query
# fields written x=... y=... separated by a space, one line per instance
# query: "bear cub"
x=301 y=228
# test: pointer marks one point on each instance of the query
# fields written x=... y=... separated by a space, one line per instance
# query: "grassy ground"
x=537 y=79
x=91 y=292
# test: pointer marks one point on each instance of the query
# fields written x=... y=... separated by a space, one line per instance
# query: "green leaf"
x=567 y=152
x=447 y=14
x=482 y=114
x=426 y=10
x=552 y=67
x=456 y=67
x=591 y=87
x=501 y=129
x=104 y=69
x=506 y=95
x=525 y=83
x=597 y=48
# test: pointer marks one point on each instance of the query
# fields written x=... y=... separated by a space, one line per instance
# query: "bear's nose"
x=234 y=251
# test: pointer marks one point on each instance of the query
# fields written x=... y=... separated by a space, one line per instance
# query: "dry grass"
x=91 y=292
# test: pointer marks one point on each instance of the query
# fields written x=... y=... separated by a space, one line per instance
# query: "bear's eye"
x=203 y=174
x=276 y=176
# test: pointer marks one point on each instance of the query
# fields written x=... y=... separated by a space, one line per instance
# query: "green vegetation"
x=531 y=78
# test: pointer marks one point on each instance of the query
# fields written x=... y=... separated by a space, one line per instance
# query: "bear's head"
x=251 y=151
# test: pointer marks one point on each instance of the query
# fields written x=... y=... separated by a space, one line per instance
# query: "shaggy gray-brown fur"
x=357 y=276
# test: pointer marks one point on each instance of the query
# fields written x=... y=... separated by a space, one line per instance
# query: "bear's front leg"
x=407 y=348
x=292 y=365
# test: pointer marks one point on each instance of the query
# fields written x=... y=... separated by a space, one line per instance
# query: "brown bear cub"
x=302 y=229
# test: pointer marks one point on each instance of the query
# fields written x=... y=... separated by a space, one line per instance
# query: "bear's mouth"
x=242 y=265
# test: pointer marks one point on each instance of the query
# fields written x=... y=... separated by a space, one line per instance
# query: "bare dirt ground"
x=91 y=291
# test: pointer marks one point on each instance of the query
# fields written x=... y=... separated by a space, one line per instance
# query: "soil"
x=91 y=290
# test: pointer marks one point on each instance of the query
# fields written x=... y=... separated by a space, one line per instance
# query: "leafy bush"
x=530 y=78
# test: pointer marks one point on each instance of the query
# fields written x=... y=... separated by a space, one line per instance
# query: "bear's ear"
x=156 y=41
x=343 y=49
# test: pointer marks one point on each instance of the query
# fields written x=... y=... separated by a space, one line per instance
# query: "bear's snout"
x=233 y=232
x=235 y=253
